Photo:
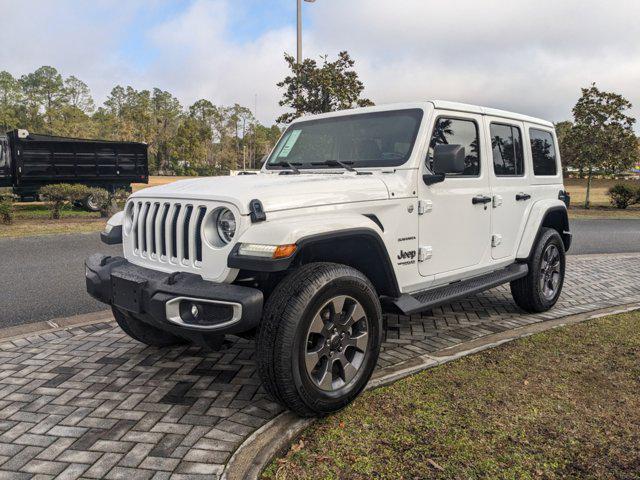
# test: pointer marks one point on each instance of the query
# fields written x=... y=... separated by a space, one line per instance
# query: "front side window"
x=543 y=152
x=506 y=144
x=455 y=131
x=378 y=139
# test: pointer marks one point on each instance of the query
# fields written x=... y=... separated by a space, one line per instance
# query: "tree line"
x=209 y=139
x=201 y=139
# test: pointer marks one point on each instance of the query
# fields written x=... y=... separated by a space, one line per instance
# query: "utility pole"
x=299 y=53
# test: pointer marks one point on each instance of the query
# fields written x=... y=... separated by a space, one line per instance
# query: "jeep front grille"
x=168 y=231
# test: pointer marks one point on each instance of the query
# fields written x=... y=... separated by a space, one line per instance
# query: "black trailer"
x=29 y=161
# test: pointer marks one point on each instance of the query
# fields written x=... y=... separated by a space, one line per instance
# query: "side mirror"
x=446 y=159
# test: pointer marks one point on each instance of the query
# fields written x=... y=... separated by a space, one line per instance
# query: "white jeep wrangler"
x=394 y=208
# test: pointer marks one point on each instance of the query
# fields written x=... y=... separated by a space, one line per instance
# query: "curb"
x=55 y=324
x=273 y=438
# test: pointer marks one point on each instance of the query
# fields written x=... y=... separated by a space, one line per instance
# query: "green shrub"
x=622 y=195
x=61 y=195
x=6 y=208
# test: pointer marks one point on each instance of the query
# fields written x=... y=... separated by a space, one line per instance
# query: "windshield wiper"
x=289 y=165
x=337 y=163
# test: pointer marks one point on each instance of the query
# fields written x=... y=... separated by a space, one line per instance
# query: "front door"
x=510 y=185
x=454 y=232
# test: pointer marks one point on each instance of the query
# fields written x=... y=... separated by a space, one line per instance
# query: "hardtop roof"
x=438 y=104
x=494 y=112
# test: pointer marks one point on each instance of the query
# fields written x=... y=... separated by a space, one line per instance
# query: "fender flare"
x=540 y=217
x=345 y=231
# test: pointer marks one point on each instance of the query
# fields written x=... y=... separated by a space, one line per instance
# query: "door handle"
x=480 y=199
x=522 y=196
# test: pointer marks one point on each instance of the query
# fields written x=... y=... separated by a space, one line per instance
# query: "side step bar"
x=413 y=303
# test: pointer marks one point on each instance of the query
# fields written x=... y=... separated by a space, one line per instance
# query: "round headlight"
x=226 y=225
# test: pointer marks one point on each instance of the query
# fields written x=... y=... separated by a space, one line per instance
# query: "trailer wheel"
x=91 y=204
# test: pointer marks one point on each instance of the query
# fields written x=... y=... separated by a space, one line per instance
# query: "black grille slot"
x=142 y=221
x=198 y=233
x=163 y=222
x=185 y=231
x=134 y=228
x=174 y=231
x=152 y=230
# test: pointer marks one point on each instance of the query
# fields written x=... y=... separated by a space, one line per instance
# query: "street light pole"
x=299 y=53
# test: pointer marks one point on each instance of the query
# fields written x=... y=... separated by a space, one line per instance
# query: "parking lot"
x=91 y=402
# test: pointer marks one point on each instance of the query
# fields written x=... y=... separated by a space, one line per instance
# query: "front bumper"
x=163 y=300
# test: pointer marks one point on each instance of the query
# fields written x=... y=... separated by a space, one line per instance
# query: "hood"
x=276 y=192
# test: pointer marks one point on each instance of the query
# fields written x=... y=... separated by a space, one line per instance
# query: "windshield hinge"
x=425 y=253
x=424 y=206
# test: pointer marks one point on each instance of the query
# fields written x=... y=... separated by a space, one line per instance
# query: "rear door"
x=510 y=185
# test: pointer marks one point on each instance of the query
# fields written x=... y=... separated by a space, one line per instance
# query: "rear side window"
x=454 y=131
x=543 y=152
x=508 y=156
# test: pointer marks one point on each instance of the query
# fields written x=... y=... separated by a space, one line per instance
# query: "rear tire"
x=541 y=288
x=319 y=338
x=144 y=333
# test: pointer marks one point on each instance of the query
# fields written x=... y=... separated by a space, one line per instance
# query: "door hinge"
x=496 y=239
x=497 y=201
x=424 y=206
x=424 y=253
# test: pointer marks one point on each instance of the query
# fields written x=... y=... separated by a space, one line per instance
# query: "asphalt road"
x=43 y=277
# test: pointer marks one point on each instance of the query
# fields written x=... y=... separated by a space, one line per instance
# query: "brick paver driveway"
x=90 y=402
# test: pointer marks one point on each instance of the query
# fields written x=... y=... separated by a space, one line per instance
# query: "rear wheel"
x=319 y=339
x=144 y=333
x=541 y=288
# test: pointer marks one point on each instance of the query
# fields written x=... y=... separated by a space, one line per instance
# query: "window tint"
x=508 y=157
x=543 y=152
x=453 y=131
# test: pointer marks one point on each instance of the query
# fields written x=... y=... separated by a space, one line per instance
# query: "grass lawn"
x=34 y=219
x=560 y=404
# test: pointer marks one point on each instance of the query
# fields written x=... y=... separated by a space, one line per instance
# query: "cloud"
x=201 y=60
x=530 y=57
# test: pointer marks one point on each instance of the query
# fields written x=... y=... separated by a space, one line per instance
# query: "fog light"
x=195 y=311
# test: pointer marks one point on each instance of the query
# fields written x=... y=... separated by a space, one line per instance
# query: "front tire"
x=541 y=288
x=140 y=331
x=319 y=339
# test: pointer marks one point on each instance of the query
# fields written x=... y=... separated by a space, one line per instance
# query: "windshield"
x=380 y=139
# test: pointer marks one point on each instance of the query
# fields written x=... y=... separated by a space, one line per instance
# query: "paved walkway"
x=91 y=403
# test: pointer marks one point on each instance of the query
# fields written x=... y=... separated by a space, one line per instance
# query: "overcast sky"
x=528 y=56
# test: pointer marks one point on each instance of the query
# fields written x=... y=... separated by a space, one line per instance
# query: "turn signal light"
x=266 y=251
x=284 y=251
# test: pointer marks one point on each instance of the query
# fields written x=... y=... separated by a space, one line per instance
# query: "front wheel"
x=540 y=289
x=319 y=339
